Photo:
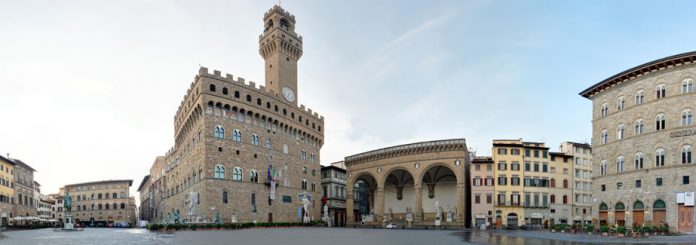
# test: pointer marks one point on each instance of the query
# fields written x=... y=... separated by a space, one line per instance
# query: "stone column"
x=379 y=203
x=418 y=202
x=349 y=206
x=461 y=202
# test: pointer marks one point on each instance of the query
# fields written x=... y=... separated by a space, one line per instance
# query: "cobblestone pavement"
x=311 y=236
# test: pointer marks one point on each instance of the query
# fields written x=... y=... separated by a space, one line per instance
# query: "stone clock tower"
x=281 y=47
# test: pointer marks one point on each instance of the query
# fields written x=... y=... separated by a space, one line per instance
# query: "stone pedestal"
x=68 y=225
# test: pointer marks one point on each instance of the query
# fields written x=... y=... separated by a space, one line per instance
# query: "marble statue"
x=306 y=218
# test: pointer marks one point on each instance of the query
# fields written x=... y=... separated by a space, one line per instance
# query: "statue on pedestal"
x=306 y=218
x=438 y=213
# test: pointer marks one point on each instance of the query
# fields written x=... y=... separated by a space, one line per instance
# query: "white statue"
x=193 y=199
x=306 y=218
x=438 y=213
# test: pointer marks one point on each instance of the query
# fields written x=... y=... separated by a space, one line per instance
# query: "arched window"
x=237 y=135
x=553 y=199
x=687 y=117
x=660 y=122
x=106 y=195
x=565 y=199
x=660 y=91
x=268 y=143
x=236 y=94
x=639 y=97
x=620 y=103
x=255 y=139
x=212 y=87
x=219 y=132
x=114 y=206
x=565 y=183
x=123 y=206
x=224 y=90
x=284 y=24
x=659 y=204
x=209 y=108
x=224 y=196
x=688 y=85
x=553 y=183
x=254 y=176
x=604 y=110
x=248 y=97
x=304 y=184
x=620 y=164
x=107 y=206
x=660 y=157
x=604 y=135
x=219 y=171
x=686 y=154
x=99 y=196
x=603 y=207
x=237 y=174
x=603 y=167
x=639 y=126
x=620 y=131
x=638 y=161
x=114 y=195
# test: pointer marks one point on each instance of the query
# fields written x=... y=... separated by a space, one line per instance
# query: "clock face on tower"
x=288 y=94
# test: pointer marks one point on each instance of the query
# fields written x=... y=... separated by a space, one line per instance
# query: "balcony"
x=529 y=205
x=508 y=204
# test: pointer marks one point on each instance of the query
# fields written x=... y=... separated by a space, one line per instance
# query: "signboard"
x=682 y=133
x=287 y=199
x=688 y=199
x=680 y=197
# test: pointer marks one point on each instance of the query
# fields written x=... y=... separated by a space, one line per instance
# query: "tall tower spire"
x=281 y=48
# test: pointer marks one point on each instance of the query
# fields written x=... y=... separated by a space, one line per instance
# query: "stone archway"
x=620 y=214
x=603 y=214
x=399 y=194
x=364 y=188
x=659 y=212
x=638 y=213
x=439 y=188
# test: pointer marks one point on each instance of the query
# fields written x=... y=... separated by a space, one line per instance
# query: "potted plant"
x=647 y=230
x=604 y=230
x=589 y=228
x=621 y=231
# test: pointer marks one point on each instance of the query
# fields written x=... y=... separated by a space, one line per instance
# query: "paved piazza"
x=310 y=236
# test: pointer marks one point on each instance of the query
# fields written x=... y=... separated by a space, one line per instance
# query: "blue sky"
x=88 y=89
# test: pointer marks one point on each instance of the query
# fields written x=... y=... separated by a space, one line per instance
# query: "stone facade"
x=102 y=203
x=643 y=137
x=24 y=188
x=146 y=209
x=230 y=134
x=393 y=183
x=582 y=180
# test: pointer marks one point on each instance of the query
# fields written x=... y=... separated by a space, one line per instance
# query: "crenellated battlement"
x=203 y=71
x=281 y=11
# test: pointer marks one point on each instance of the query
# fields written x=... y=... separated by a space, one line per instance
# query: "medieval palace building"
x=242 y=152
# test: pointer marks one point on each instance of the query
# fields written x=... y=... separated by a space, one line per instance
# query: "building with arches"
x=243 y=150
x=409 y=182
x=643 y=135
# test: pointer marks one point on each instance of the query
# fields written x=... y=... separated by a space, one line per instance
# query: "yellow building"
x=6 y=189
x=532 y=184
x=508 y=159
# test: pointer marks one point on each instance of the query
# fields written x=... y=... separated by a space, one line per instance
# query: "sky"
x=89 y=89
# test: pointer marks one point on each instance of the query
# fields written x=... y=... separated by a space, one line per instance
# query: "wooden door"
x=686 y=218
x=270 y=217
x=603 y=218
x=659 y=217
x=620 y=218
x=638 y=217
